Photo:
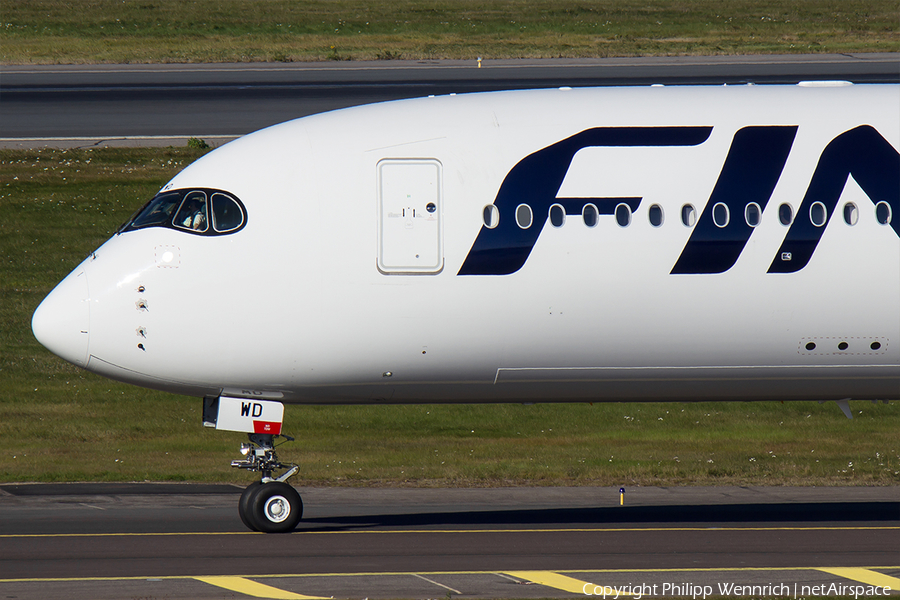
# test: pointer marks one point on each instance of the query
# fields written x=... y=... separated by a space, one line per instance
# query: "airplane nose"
x=61 y=322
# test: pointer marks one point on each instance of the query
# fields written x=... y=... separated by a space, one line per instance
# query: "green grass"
x=58 y=423
x=152 y=31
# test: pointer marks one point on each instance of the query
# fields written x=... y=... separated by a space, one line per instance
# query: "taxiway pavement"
x=110 y=105
x=184 y=541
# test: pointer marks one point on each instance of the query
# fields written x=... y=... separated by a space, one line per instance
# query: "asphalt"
x=153 y=105
x=186 y=541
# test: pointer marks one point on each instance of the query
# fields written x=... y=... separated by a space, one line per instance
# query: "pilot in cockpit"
x=193 y=214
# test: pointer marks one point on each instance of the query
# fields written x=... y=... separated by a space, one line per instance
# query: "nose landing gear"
x=269 y=505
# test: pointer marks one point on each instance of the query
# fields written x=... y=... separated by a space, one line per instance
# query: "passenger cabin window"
x=491 y=216
x=189 y=210
x=623 y=215
x=818 y=215
x=524 y=216
x=590 y=215
x=785 y=214
x=557 y=215
x=851 y=214
x=688 y=215
x=655 y=215
x=883 y=213
x=720 y=214
x=752 y=214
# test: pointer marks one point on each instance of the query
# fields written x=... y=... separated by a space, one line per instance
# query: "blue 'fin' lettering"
x=874 y=164
x=536 y=179
x=751 y=170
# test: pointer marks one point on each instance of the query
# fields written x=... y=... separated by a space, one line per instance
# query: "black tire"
x=275 y=508
x=244 y=505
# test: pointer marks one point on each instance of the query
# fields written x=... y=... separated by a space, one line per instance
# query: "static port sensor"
x=243 y=414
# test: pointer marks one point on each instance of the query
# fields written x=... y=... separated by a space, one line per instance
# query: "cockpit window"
x=192 y=214
x=157 y=212
x=227 y=214
x=189 y=210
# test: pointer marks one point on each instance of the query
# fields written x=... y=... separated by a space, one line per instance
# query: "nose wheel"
x=244 y=505
x=273 y=507
x=269 y=505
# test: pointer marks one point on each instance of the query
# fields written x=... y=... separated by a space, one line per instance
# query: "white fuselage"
x=333 y=293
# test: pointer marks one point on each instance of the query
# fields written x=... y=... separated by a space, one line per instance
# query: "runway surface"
x=155 y=104
x=185 y=541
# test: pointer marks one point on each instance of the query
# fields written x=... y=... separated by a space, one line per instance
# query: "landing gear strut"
x=268 y=505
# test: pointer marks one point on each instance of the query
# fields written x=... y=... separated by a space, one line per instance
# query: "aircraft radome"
x=604 y=244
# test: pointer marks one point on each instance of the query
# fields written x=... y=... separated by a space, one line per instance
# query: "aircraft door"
x=409 y=216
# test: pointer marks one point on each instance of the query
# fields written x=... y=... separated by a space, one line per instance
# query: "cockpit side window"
x=189 y=210
x=192 y=214
x=227 y=214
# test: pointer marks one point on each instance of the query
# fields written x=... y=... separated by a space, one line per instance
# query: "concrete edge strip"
x=97 y=142
x=374 y=65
